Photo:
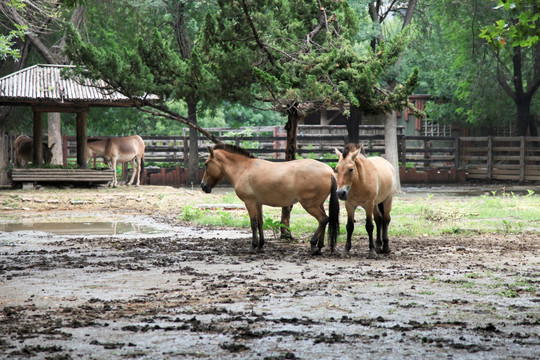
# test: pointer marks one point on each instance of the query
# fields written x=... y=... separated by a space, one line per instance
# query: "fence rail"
x=501 y=158
x=482 y=158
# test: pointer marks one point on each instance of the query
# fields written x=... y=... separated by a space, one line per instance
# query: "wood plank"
x=61 y=175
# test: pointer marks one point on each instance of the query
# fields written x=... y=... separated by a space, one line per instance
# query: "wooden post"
x=186 y=157
x=404 y=150
x=81 y=140
x=522 y=159
x=38 y=139
x=456 y=152
x=490 y=158
x=426 y=154
x=64 y=150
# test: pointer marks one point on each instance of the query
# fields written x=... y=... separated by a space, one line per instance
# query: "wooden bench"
x=92 y=176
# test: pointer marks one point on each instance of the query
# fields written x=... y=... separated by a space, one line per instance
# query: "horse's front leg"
x=255 y=220
x=369 y=229
x=112 y=164
x=260 y=227
x=350 y=225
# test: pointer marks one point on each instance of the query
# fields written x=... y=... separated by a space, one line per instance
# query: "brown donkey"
x=120 y=149
x=24 y=151
x=259 y=182
x=371 y=184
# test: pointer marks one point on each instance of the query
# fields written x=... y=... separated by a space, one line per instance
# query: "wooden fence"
x=501 y=158
x=479 y=158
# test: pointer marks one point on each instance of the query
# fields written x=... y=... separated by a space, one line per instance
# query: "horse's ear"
x=362 y=150
x=52 y=146
x=355 y=154
x=210 y=150
x=338 y=153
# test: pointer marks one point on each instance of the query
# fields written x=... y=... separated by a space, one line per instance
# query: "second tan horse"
x=24 y=151
x=259 y=182
x=120 y=149
x=371 y=184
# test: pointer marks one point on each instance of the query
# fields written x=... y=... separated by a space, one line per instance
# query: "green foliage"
x=519 y=26
x=458 y=69
x=269 y=223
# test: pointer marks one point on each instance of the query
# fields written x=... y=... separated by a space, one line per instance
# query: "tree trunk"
x=391 y=144
x=352 y=125
x=523 y=118
x=533 y=127
x=193 y=146
x=290 y=154
x=55 y=137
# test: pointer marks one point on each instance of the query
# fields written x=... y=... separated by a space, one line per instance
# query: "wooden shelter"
x=46 y=89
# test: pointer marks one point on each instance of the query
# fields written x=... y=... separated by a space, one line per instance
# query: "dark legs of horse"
x=382 y=220
x=378 y=210
x=369 y=229
x=317 y=240
x=257 y=229
x=350 y=226
x=350 y=229
x=136 y=167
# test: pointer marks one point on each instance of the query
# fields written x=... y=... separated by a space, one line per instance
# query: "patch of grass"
x=509 y=293
x=189 y=213
x=422 y=216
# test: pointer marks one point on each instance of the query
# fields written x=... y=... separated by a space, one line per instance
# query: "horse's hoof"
x=379 y=250
x=316 y=251
x=386 y=250
x=372 y=255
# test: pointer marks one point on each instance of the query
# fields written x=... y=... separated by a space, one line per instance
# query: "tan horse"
x=120 y=149
x=369 y=183
x=259 y=182
x=24 y=151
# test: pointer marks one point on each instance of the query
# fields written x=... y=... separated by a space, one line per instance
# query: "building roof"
x=45 y=84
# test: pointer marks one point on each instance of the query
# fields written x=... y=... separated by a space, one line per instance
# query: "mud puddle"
x=192 y=292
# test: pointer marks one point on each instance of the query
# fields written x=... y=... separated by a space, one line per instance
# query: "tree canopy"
x=474 y=82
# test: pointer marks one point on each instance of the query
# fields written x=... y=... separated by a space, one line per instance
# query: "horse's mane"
x=350 y=148
x=233 y=149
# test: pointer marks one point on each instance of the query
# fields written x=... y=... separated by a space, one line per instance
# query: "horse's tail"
x=333 y=223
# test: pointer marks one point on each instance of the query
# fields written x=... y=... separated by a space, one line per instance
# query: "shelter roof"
x=45 y=85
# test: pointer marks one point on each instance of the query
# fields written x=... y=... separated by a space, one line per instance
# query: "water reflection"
x=80 y=228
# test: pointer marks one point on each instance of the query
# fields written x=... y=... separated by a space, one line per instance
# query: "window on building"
x=431 y=128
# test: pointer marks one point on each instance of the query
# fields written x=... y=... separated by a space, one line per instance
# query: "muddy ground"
x=187 y=292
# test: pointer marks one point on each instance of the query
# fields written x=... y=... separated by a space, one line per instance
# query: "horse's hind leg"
x=386 y=206
x=317 y=240
x=378 y=210
x=135 y=168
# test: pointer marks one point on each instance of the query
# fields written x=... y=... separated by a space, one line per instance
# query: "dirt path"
x=196 y=293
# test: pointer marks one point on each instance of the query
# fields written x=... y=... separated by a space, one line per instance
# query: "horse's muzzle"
x=343 y=193
x=206 y=188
